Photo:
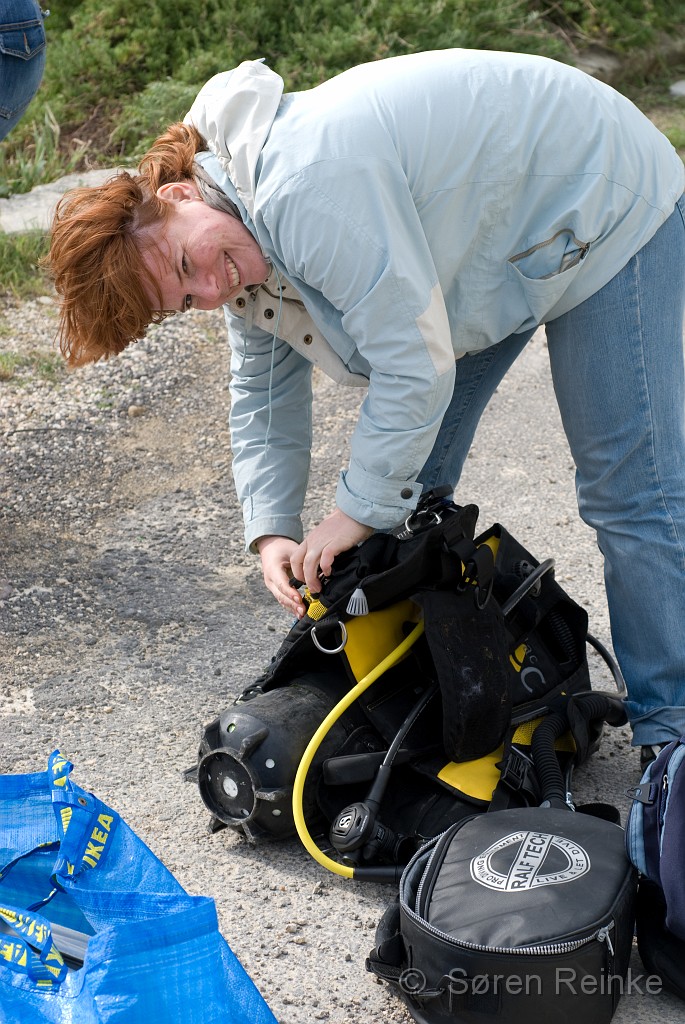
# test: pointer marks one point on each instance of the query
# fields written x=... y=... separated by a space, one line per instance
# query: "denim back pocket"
x=23 y=40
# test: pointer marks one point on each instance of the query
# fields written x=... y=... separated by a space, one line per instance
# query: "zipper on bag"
x=436 y=850
x=670 y=770
x=601 y=934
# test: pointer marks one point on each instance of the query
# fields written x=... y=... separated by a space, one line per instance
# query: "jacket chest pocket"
x=546 y=269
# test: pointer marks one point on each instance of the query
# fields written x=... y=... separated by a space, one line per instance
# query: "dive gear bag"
x=655 y=835
x=523 y=915
x=489 y=647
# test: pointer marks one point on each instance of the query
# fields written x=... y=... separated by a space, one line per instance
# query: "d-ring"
x=412 y=523
x=330 y=650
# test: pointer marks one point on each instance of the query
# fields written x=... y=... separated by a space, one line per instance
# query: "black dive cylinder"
x=249 y=756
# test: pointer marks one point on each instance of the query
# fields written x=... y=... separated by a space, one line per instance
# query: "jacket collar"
x=234 y=112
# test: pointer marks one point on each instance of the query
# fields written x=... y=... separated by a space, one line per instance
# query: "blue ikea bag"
x=94 y=928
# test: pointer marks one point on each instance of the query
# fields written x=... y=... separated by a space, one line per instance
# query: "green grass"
x=20 y=274
x=672 y=124
x=40 y=159
x=21 y=367
x=677 y=137
x=9 y=361
x=661 y=106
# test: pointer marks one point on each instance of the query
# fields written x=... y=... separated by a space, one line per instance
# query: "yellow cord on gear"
x=317 y=739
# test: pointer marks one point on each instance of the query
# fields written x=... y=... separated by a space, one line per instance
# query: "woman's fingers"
x=275 y=553
x=314 y=556
x=283 y=559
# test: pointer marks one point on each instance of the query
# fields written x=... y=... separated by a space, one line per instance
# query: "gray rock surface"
x=33 y=210
x=130 y=615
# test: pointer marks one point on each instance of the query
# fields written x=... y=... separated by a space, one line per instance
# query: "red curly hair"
x=94 y=256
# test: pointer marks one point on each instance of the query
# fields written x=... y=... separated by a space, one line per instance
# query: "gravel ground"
x=130 y=615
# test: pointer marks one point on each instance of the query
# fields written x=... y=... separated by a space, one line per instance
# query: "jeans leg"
x=22 y=59
x=617 y=366
x=477 y=377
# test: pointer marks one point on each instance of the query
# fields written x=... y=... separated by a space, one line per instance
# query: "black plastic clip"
x=646 y=793
x=515 y=771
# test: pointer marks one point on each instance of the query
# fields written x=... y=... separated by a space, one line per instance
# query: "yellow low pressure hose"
x=317 y=739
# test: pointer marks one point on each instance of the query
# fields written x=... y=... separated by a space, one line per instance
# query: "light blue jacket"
x=420 y=208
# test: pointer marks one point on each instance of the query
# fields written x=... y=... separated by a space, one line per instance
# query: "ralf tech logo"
x=526 y=860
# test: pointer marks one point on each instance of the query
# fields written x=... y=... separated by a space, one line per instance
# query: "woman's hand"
x=275 y=553
x=338 y=532
x=282 y=558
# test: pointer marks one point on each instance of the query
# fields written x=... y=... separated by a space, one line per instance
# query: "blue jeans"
x=619 y=379
x=22 y=59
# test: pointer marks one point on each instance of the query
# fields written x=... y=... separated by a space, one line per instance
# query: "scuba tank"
x=249 y=755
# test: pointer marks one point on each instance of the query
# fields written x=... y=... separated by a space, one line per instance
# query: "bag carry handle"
x=32 y=951
x=85 y=829
x=85 y=823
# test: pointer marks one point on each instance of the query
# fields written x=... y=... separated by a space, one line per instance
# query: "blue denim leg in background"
x=477 y=377
x=617 y=366
x=22 y=58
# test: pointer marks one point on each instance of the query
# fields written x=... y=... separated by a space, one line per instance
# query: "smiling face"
x=199 y=257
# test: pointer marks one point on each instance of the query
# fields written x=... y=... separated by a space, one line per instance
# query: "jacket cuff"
x=376 y=501
x=277 y=526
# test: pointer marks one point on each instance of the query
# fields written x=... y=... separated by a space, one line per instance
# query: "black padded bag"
x=523 y=916
x=654 y=841
x=662 y=952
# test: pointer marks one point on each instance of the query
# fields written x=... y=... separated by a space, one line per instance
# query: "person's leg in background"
x=477 y=377
x=22 y=58
x=618 y=371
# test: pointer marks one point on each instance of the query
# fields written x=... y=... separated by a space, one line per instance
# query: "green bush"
x=148 y=114
x=119 y=70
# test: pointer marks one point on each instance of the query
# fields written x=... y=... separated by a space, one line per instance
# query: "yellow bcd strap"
x=479 y=778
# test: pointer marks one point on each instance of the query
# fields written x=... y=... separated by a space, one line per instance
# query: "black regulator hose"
x=546 y=761
x=600 y=706
x=592 y=707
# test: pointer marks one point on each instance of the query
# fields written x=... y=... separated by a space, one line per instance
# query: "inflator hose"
x=592 y=706
x=317 y=739
x=545 y=759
